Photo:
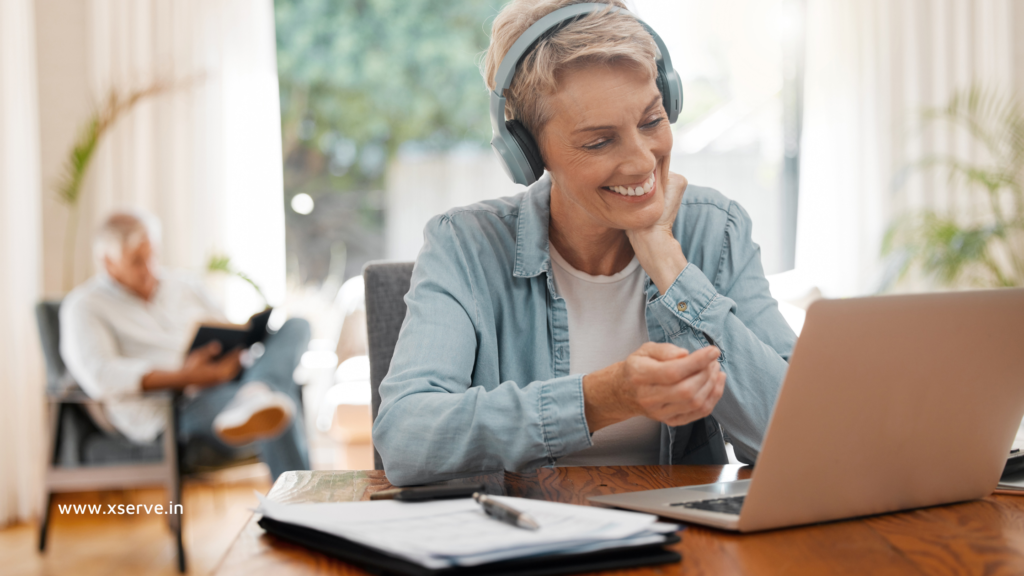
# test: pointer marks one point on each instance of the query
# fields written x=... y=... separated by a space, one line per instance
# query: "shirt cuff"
x=563 y=421
x=121 y=378
x=691 y=301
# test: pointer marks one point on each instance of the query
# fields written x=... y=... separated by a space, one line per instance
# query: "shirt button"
x=682 y=306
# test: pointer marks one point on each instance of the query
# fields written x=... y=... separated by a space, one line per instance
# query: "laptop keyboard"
x=730 y=505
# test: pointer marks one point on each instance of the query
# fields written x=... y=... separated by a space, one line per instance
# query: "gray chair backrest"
x=386 y=285
x=48 y=321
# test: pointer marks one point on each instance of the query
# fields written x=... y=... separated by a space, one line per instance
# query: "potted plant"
x=986 y=250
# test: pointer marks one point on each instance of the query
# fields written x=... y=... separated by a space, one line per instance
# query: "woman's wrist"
x=605 y=400
x=660 y=255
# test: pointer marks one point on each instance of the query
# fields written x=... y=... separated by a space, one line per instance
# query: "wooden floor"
x=214 y=512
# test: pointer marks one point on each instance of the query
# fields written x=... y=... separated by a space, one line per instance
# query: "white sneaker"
x=255 y=413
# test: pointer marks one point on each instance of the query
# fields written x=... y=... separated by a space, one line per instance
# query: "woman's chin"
x=634 y=212
x=637 y=220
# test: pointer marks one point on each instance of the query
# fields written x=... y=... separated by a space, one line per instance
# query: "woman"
x=595 y=318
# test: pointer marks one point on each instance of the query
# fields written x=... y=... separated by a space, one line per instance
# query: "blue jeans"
x=288 y=451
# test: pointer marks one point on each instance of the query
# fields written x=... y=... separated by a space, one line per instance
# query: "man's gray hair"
x=123 y=230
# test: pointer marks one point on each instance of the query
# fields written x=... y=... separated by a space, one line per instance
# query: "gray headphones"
x=512 y=143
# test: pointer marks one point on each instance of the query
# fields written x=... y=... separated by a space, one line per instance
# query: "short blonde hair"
x=601 y=37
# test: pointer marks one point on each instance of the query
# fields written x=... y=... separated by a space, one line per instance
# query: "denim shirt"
x=480 y=380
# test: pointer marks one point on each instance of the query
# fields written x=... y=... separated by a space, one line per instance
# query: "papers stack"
x=448 y=533
x=1014 y=481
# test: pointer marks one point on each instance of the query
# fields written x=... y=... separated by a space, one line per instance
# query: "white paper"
x=457 y=532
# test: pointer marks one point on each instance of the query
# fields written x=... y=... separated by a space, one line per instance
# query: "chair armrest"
x=78 y=396
x=71 y=396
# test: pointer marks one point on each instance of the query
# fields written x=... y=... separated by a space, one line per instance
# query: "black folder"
x=376 y=562
x=232 y=336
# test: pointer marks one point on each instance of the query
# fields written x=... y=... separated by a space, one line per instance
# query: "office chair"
x=386 y=285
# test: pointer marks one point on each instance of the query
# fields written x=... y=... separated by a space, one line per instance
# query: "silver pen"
x=505 y=513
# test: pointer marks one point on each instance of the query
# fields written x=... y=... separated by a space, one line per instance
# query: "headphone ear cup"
x=666 y=82
x=527 y=145
x=662 y=84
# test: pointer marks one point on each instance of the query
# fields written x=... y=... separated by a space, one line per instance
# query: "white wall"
x=64 y=101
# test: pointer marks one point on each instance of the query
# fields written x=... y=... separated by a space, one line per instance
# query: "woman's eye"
x=653 y=123
x=597 y=145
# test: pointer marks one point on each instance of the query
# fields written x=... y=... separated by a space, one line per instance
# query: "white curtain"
x=872 y=67
x=205 y=156
x=21 y=376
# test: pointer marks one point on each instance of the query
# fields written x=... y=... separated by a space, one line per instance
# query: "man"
x=127 y=331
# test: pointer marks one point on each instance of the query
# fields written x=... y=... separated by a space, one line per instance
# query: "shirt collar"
x=532 y=256
x=109 y=284
x=112 y=285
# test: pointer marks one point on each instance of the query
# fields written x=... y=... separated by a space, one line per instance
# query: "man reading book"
x=127 y=331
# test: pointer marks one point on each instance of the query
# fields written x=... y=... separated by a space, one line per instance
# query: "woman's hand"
x=661 y=381
x=656 y=247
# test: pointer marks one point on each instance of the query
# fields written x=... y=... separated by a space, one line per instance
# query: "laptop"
x=890 y=403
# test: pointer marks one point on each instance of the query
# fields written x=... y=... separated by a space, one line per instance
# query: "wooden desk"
x=982 y=537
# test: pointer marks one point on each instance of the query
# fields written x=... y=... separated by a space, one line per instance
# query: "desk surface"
x=981 y=537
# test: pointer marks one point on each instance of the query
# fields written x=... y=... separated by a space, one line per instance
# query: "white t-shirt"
x=607 y=324
x=110 y=338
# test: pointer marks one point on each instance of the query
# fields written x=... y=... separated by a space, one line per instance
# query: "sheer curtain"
x=21 y=377
x=872 y=67
x=204 y=156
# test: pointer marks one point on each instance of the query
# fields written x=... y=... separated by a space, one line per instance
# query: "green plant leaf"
x=956 y=249
x=222 y=263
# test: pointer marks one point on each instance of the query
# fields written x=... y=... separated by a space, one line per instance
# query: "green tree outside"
x=358 y=79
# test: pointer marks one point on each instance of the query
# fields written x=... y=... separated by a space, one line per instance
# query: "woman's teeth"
x=644 y=188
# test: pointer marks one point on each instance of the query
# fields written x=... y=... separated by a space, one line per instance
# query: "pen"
x=505 y=513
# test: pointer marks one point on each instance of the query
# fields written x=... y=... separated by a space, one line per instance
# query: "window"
x=741 y=66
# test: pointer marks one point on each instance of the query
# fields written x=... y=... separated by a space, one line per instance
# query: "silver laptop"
x=889 y=403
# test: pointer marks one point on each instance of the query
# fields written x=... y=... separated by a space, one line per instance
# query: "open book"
x=233 y=336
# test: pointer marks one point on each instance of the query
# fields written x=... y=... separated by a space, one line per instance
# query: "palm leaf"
x=78 y=161
x=992 y=118
x=222 y=263
x=76 y=166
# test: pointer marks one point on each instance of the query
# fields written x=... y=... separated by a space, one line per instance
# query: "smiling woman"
x=594 y=318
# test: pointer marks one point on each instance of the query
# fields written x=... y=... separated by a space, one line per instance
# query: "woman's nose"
x=638 y=156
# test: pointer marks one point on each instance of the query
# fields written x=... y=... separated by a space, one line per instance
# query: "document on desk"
x=443 y=533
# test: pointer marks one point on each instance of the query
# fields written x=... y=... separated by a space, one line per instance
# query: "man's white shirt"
x=110 y=339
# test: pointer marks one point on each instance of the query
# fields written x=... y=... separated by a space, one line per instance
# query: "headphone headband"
x=507 y=68
x=520 y=159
